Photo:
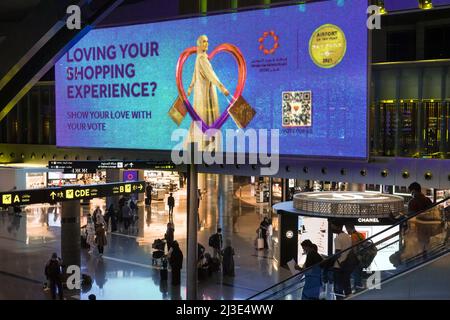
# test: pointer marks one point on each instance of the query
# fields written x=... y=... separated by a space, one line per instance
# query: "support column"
x=285 y=189
x=70 y=233
x=191 y=270
x=112 y=175
x=225 y=205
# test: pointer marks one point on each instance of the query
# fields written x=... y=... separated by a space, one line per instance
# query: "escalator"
x=412 y=262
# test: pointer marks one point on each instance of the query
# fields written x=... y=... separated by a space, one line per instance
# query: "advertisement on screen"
x=301 y=70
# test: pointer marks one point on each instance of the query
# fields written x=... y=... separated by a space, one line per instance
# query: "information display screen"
x=301 y=69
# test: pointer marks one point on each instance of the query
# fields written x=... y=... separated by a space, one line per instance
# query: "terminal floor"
x=126 y=271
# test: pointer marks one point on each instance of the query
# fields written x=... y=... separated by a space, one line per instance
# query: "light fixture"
x=405 y=174
x=288 y=168
x=425 y=4
x=305 y=169
x=343 y=172
x=380 y=4
x=363 y=172
x=428 y=175
x=384 y=173
x=324 y=170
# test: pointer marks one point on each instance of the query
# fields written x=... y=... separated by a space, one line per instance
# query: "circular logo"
x=275 y=45
x=327 y=46
x=289 y=234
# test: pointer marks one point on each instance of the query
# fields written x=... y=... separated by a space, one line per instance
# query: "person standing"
x=100 y=238
x=356 y=237
x=98 y=216
x=53 y=273
x=171 y=204
x=341 y=274
x=169 y=236
x=228 y=260
x=112 y=216
x=90 y=231
x=313 y=273
x=148 y=194
x=126 y=215
x=216 y=242
x=176 y=263
x=199 y=198
x=264 y=227
x=419 y=201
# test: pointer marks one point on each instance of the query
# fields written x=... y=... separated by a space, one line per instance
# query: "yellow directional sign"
x=69 y=194
x=6 y=199
x=52 y=195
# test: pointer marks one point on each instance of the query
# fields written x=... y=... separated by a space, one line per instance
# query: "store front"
x=163 y=183
x=57 y=179
x=309 y=216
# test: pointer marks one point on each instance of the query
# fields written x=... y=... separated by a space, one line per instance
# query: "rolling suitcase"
x=260 y=243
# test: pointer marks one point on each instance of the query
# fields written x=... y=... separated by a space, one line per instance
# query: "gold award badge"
x=327 y=46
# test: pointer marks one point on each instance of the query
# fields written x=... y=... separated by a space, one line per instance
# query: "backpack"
x=365 y=253
x=350 y=263
x=53 y=269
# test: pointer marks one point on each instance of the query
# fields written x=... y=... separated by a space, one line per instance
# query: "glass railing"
x=409 y=242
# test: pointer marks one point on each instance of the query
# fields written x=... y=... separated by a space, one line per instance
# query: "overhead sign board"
x=93 y=166
x=69 y=193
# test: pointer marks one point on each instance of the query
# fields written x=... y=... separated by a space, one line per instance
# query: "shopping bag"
x=241 y=112
x=177 y=111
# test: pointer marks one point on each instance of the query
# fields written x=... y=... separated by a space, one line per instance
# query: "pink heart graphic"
x=242 y=76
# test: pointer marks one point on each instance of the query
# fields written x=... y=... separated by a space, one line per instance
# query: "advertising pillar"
x=70 y=233
x=112 y=175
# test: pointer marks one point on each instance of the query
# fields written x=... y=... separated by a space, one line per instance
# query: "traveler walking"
x=228 y=260
x=176 y=263
x=100 y=238
x=171 y=204
x=53 y=274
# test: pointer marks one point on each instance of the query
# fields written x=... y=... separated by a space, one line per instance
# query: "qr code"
x=297 y=109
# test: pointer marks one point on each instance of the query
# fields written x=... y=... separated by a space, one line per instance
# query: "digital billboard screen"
x=299 y=69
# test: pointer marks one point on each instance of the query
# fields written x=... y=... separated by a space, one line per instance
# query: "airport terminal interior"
x=225 y=150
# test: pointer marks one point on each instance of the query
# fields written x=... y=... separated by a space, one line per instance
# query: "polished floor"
x=126 y=271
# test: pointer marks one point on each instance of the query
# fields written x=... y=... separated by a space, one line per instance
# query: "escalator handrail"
x=335 y=256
